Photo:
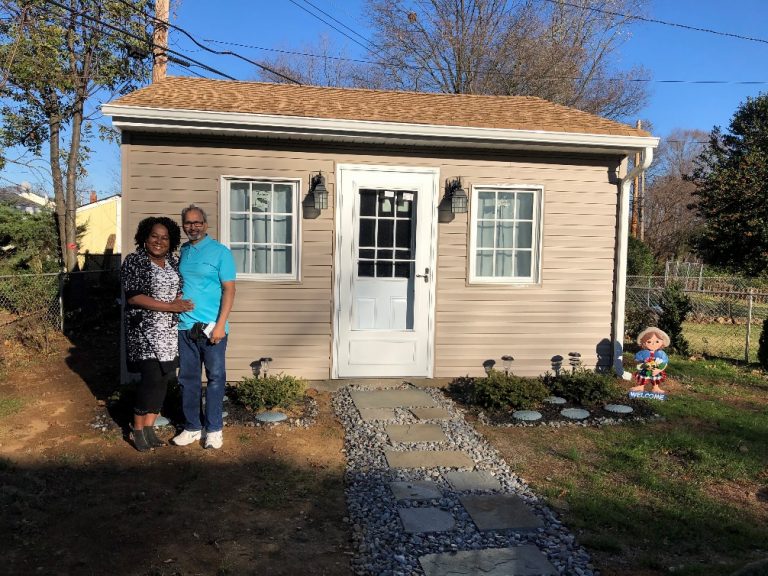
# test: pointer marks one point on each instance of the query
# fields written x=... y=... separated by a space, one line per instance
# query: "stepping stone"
x=461 y=480
x=372 y=414
x=431 y=413
x=428 y=459
x=416 y=490
x=431 y=519
x=501 y=512
x=391 y=398
x=575 y=413
x=416 y=433
x=619 y=408
x=271 y=417
x=527 y=415
x=554 y=400
x=526 y=560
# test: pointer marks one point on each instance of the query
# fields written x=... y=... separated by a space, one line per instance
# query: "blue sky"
x=670 y=53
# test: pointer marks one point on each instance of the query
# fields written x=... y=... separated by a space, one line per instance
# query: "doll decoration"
x=652 y=361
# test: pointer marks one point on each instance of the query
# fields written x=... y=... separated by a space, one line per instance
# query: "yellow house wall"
x=102 y=233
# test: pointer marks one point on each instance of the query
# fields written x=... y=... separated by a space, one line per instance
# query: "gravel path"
x=383 y=547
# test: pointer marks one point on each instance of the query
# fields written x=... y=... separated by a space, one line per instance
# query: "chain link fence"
x=726 y=319
x=33 y=305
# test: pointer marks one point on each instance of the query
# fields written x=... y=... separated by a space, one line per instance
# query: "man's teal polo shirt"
x=204 y=266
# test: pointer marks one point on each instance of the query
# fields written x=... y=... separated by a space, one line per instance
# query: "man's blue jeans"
x=193 y=355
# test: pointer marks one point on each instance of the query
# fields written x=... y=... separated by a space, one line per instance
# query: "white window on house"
x=260 y=226
x=505 y=239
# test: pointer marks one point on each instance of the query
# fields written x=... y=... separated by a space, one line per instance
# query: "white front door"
x=385 y=261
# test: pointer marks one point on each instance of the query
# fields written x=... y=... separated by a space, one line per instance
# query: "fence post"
x=749 y=325
x=61 y=302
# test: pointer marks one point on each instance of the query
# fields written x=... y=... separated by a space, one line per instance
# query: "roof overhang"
x=165 y=120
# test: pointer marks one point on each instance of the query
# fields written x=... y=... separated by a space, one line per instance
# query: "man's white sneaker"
x=214 y=440
x=187 y=437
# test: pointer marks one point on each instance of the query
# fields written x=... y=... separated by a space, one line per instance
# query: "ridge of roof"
x=467 y=110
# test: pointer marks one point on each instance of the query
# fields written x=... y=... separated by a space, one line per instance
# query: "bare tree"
x=670 y=222
x=563 y=51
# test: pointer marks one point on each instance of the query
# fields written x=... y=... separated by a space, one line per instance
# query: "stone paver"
x=430 y=519
x=404 y=398
x=524 y=560
x=416 y=490
x=428 y=459
x=372 y=414
x=431 y=413
x=415 y=433
x=500 y=512
x=461 y=480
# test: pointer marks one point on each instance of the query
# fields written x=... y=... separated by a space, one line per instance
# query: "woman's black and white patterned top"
x=151 y=334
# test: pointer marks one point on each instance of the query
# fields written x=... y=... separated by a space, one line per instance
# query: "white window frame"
x=536 y=232
x=224 y=215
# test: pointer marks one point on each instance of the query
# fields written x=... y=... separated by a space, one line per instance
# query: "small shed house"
x=394 y=234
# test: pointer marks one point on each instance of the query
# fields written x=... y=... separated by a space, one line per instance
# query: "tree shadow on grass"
x=164 y=514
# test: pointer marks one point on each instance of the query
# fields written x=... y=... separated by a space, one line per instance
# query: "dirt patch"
x=77 y=500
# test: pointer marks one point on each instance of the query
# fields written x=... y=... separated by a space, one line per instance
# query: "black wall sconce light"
x=317 y=197
x=457 y=195
x=454 y=201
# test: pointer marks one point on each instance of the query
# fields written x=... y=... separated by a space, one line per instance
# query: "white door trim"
x=343 y=196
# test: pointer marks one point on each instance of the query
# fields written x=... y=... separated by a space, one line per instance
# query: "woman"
x=152 y=285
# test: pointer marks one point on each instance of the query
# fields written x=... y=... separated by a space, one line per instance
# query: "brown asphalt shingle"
x=508 y=112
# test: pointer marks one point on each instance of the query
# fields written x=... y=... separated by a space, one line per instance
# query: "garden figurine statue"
x=652 y=361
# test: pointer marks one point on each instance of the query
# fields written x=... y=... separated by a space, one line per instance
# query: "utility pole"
x=636 y=198
x=160 y=41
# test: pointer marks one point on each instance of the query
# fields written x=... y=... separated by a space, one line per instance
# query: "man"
x=208 y=270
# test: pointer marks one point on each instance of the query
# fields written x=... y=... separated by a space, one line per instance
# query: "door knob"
x=425 y=275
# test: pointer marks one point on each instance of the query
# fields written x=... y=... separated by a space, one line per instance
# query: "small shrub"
x=762 y=351
x=675 y=306
x=501 y=391
x=462 y=388
x=271 y=391
x=583 y=386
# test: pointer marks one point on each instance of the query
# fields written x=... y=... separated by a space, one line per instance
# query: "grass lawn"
x=722 y=340
x=686 y=495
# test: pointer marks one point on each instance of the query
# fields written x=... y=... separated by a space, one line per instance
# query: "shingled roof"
x=460 y=110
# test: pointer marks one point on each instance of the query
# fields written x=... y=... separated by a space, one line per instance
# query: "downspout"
x=646 y=157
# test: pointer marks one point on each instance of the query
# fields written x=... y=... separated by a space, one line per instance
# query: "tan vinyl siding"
x=570 y=310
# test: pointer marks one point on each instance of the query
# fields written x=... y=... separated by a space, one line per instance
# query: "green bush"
x=501 y=391
x=583 y=386
x=271 y=391
x=640 y=260
x=675 y=306
x=762 y=351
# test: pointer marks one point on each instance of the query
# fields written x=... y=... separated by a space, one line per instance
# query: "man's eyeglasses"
x=196 y=223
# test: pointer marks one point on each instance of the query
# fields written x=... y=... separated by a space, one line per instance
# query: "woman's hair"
x=145 y=228
x=653 y=331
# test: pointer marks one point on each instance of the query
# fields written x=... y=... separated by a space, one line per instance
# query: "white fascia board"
x=127 y=117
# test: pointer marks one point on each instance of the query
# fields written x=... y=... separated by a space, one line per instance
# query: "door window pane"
x=403 y=233
x=368 y=202
x=365 y=269
x=402 y=269
x=384 y=254
x=385 y=233
x=384 y=269
x=367 y=232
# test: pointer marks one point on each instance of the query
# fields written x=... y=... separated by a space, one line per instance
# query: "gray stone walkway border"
x=428 y=518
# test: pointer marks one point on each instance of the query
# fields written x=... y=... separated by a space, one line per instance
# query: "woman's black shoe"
x=151 y=437
x=140 y=441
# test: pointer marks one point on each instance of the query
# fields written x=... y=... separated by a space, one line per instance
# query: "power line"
x=206 y=48
x=656 y=21
x=134 y=36
x=356 y=41
x=495 y=72
x=355 y=32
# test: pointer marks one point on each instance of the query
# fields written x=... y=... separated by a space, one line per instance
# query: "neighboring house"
x=24 y=200
x=99 y=246
x=388 y=281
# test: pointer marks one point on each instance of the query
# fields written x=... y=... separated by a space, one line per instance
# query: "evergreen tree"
x=731 y=178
